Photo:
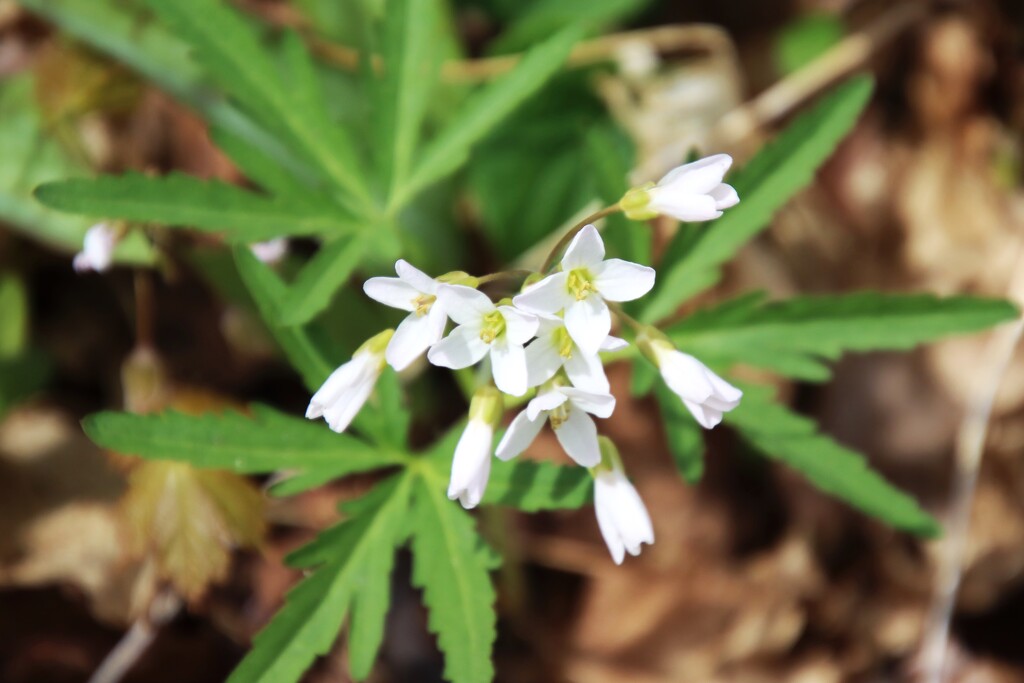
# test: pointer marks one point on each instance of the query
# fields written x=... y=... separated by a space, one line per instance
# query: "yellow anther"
x=559 y=415
x=580 y=283
x=493 y=327
x=564 y=343
x=422 y=304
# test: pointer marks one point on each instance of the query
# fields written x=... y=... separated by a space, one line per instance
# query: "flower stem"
x=503 y=274
x=626 y=317
x=567 y=237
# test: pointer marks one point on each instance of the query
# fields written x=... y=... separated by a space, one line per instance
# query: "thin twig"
x=970 y=446
x=848 y=55
x=137 y=639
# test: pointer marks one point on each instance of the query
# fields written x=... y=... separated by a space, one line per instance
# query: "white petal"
x=271 y=251
x=345 y=391
x=542 y=360
x=438 y=319
x=339 y=415
x=460 y=349
x=339 y=381
x=707 y=417
x=578 y=436
x=464 y=305
x=586 y=249
x=392 y=292
x=599 y=404
x=619 y=280
x=586 y=372
x=415 y=277
x=519 y=325
x=725 y=196
x=686 y=376
x=97 y=249
x=605 y=518
x=508 y=365
x=471 y=465
x=611 y=343
x=519 y=436
x=414 y=336
x=724 y=391
x=697 y=177
x=543 y=402
x=634 y=521
x=688 y=208
x=548 y=296
x=588 y=322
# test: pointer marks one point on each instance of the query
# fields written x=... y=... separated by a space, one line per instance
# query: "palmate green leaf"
x=354 y=578
x=482 y=111
x=184 y=200
x=775 y=174
x=782 y=435
x=450 y=568
x=410 y=70
x=531 y=486
x=315 y=286
x=269 y=293
x=264 y=442
x=684 y=435
x=795 y=336
x=541 y=19
x=385 y=418
x=287 y=101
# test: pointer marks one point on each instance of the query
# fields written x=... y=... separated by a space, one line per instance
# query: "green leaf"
x=385 y=418
x=779 y=170
x=355 y=579
x=317 y=282
x=13 y=315
x=793 y=337
x=410 y=71
x=265 y=442
x=806 y=38
x=481 y=112
x=533 y=486
x=450 y=568
x=288 y=101
x=269 y=293
x=20 y=376
x=629 y=239
x=541 y=19
x=684 y=435
x=183 y=200
x=794 y=440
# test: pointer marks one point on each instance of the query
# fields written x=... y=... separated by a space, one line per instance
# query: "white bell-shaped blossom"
x=270 y=251
x=97 y=249
x=348 y=387
x=471 y=466
x=484 y=328
x=621 y=514
x=585 y=282
x=554 y=349
x=706 y=395
x=691 y=192
x=414 y=291
x=568 y=410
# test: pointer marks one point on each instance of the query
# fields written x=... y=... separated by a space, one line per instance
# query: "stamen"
x=493 y=327
x=423 y=303
x=580 y=283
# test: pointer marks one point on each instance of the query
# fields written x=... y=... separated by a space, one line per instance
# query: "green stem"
x=630 y=320
x=549 y=262
x=503 y=274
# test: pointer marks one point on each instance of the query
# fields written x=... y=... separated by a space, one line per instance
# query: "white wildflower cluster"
x=547 y=338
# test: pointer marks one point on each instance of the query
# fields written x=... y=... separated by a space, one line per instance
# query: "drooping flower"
x=271 y=251
x=554 y=349
x=348 y=387
x=97 y=249
x=706 y=395
x=621 y=514
x=471 y=465
x=691 y=192
x=415 y=291
x=484 y=328
x=566 y=408
x=585 y=282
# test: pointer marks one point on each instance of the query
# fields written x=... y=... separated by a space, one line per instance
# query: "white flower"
x=706 y=395
x=583 y=285
x=566 y=409
x=471 y=465
x=271 y=251
x=484 y=328
x=415 y=291
x=97 y=249
x=692 y=192
x=348 y=387
x=621 y=514
x=554 y=349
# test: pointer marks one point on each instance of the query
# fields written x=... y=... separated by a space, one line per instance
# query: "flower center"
x=422 y=304
x=580 y=283
x=564 y=343
x=493 y=327
x=559 y=415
